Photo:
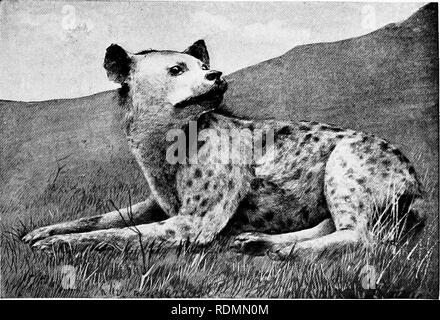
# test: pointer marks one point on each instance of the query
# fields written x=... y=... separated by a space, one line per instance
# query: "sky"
x=54 y=49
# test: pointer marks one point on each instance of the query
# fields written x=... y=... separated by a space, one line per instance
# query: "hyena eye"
x=205 y=67
x=176 y=70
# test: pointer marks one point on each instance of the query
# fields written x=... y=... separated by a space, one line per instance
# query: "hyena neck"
x=146 y=129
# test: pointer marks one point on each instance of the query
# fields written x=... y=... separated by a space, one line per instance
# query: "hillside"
x=385 y=82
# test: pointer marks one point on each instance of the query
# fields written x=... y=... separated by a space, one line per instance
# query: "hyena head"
x=167 y=82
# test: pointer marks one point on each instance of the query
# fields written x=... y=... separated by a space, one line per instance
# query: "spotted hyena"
x=322 y=187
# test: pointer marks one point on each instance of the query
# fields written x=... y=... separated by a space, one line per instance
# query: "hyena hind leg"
x=143 y=212
x=346 y=235
x=255 y=243
x=335 y=242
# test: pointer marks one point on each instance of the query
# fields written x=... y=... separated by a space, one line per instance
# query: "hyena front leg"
x=142 y=212
x=199 y=227
x=168 y=232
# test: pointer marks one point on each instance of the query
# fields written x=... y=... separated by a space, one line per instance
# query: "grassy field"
x=383 y=272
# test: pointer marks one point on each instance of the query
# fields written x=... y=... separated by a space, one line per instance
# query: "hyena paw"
x=38 y=234
x=251 y=243
x=78 y=241
x=51 y=242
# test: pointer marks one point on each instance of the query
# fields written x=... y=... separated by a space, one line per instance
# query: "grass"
x=385 y=271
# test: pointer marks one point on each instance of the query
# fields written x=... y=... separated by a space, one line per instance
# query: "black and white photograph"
x=210 y=150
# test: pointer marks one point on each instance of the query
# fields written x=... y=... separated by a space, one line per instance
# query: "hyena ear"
x=198 y=50
x=117 y=62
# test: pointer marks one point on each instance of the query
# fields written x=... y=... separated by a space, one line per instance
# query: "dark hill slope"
x=385 y=82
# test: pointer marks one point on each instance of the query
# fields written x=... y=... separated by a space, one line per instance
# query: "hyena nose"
x=213 y=75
